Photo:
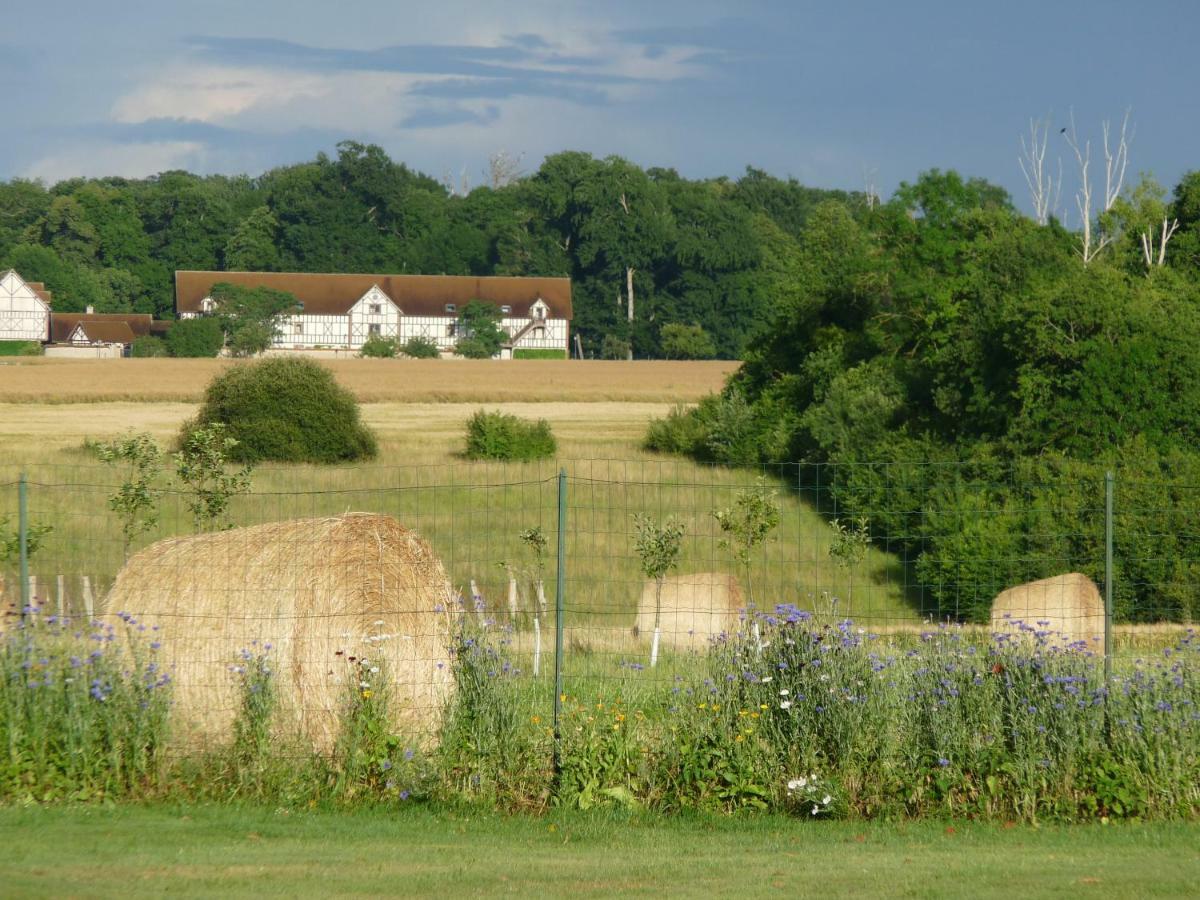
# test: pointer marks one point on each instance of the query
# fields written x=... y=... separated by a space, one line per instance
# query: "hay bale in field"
x=322 y=592
x=1067 y=604
x=695 y=607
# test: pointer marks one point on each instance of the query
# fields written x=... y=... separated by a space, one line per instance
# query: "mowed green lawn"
x=226 y=851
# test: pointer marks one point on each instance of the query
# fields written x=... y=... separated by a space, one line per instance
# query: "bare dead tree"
x=1116 y=159
x=1151 y=255
x=1044 y=189
x=456 y=187
x=870 y=192
x=503 y=169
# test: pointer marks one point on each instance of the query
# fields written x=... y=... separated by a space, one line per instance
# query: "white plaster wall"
x=24 y=316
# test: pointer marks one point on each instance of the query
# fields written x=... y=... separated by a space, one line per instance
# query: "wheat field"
x=471 y=512
x=373 y=380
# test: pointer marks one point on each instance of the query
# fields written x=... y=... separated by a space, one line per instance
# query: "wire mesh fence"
x=379 y=579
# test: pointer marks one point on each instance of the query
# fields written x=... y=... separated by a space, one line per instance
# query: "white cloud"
x=90 y=158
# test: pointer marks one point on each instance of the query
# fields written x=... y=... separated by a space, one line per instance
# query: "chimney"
x=91 y=310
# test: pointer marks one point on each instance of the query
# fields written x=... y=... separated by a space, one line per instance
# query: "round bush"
x=497 y=435
x=287 y=410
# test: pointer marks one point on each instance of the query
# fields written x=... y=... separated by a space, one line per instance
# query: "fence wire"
x=348 y=605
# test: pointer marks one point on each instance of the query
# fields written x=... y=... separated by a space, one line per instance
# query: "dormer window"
x=451 y=308
x=300 y=305
x=206 y=305
x=506 y=309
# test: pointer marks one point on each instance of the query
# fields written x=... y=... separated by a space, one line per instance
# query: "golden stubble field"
x=470 y=511
x=374 y=380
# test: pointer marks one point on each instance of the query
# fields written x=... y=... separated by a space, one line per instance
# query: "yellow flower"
x=535 y=719
x=620 y=717
x=739 y=739
x=366 y=695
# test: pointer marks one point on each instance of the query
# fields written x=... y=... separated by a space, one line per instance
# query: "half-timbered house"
x=341 y=311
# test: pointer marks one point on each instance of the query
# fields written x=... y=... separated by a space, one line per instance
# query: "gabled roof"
x=416 y=295
x=104 y=332
x=134 y=324
x=36 y=286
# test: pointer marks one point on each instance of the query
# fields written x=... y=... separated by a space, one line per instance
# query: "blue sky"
x=824 y=91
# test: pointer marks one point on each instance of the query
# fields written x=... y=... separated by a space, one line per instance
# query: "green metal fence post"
x=1108 y=574
x=559 y=590
x=23 y=538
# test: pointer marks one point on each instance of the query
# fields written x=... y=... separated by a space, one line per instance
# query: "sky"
x=834 y=94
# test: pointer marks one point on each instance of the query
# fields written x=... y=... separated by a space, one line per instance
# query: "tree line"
x=661 y=265
x=966 y=375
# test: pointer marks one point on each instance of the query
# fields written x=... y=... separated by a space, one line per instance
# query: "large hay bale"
x=1065 y=604
x=322 y=592
x=695 y=608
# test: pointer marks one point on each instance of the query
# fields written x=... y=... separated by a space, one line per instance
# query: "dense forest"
x=695 y=253
x=965 y=378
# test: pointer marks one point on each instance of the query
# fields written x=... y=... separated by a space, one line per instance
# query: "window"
x=450 y=308
x=506 y=309
x=450 y=329
x=376 y=309
x=374 y=328
x=298 y=328
x=206 y=305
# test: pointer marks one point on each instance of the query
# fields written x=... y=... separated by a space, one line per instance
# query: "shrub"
x=147 y=345
x=31 y=348
x=192 y=338
x=474 y=348
x=687 y=342
x=613 y=347
x=539 y=353
x=420 y=348
x=497 y=435
x=379 y=347
x=681 y=431
x=287 y=409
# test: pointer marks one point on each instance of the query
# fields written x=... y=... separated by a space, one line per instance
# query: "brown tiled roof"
x=95 y=324
x=40 y=289
x=108 y=332
x=416 y=295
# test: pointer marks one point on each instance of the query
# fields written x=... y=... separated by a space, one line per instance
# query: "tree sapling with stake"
x=747 y=524
x=136 y=500
x=658 y=549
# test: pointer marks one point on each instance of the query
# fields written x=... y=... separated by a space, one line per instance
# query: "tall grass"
x=83 y=708
x=473 y=514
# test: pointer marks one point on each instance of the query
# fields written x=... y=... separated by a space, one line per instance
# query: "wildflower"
x=387 y=764
x=408 y=754
x=815 y=809
x=784 y=692
x=943 y=762
x=786 y=704
x=797 y=783
x=366 y=695
x=404 y=795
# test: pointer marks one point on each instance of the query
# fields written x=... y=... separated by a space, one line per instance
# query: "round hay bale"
x=1065 y=604
x=322 y=592
x=695 y=608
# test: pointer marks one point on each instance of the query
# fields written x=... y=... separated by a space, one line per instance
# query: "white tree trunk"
x=89 y=602
x=654 y=647
x=61 y=596
x=537 y=645
x=629 y=296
